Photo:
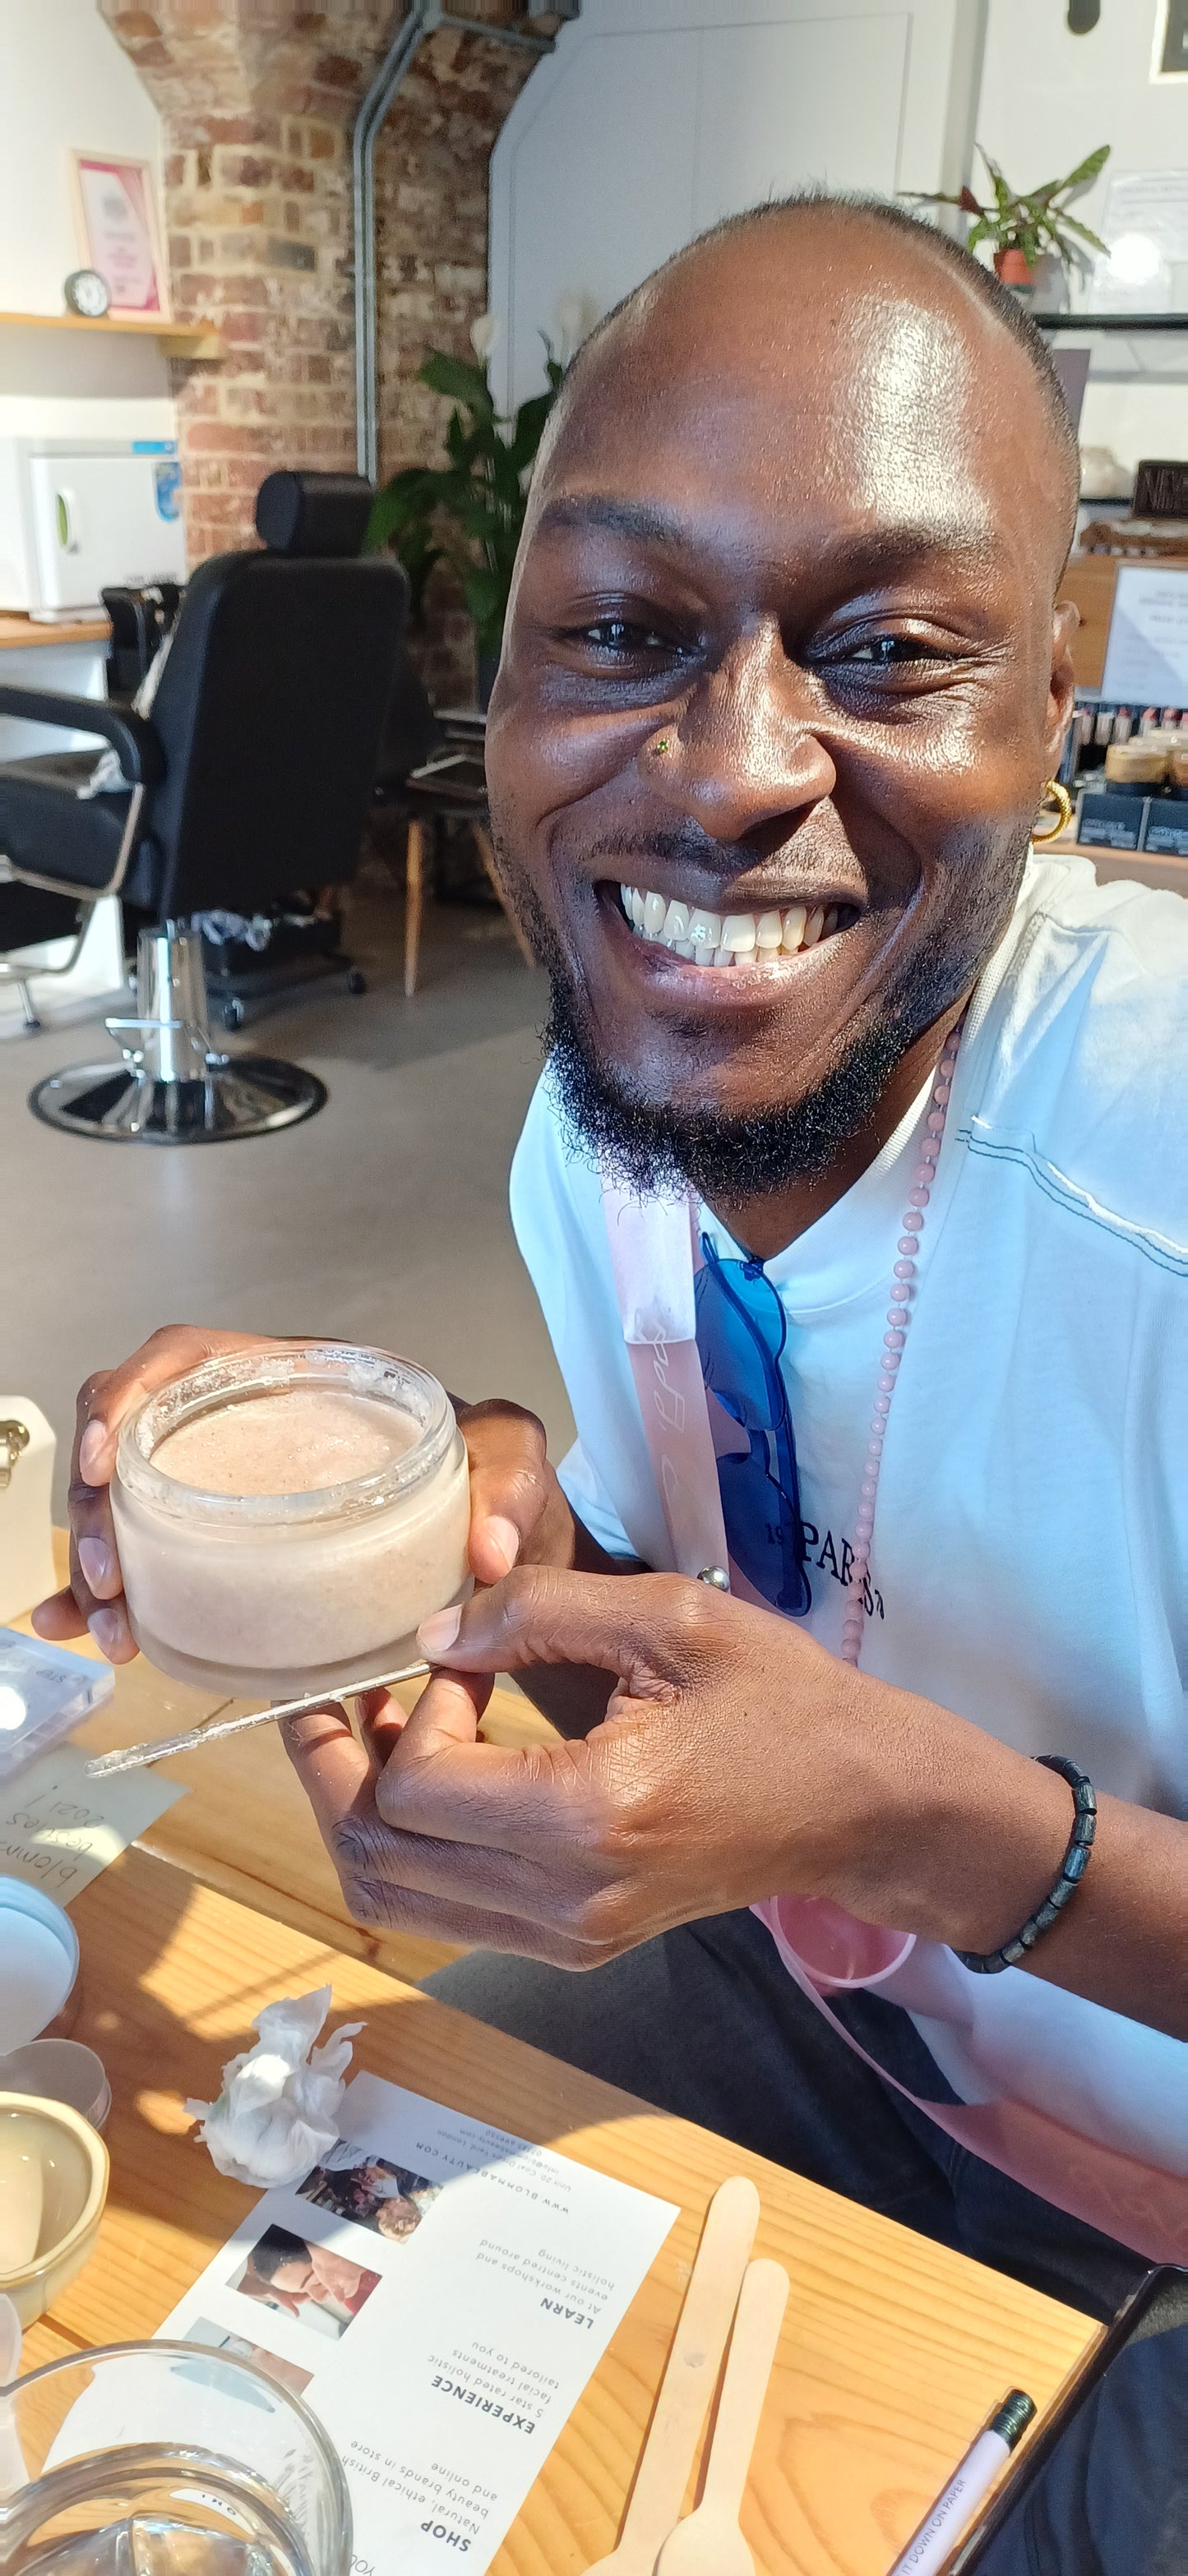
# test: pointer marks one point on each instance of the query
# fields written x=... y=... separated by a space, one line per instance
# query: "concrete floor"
x=382 y=1219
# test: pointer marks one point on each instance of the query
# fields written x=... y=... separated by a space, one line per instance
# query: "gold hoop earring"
x=1055 y=793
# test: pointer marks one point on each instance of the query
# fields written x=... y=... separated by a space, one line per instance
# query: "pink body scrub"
x=286 y=1518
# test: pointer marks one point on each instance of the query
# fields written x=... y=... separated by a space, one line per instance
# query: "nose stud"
x=658 y=749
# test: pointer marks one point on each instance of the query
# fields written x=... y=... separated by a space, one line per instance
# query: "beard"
x=651 y=1147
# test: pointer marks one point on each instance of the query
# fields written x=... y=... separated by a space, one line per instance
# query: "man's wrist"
x=971 y=1834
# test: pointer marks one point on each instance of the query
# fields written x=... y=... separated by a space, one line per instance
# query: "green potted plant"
x=468 y=513
x=1024 y=228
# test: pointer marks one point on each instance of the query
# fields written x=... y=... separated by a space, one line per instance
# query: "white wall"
x=1047 y=99
x=655 y=117
x=65 y=83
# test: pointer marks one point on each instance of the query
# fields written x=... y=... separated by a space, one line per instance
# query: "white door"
x=100 y=520
x=653 y=118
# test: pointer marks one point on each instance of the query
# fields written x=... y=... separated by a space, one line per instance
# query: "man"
x=784 y=679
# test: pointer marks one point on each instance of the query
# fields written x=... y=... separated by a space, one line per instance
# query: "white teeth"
x=736 y=939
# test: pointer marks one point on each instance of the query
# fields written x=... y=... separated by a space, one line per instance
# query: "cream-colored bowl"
x=73 y=2164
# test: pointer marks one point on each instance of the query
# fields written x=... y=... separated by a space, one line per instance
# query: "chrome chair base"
x=173 y=1087
x=248 y=1095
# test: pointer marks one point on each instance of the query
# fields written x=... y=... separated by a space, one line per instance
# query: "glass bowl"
x=169 y=2459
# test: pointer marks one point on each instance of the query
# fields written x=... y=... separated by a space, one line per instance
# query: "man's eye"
x=620 y=635
x=882 y=652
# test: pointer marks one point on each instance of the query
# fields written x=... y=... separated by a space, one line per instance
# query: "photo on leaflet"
x=302 y=2279
x=371 y=2191
x=221 y=2339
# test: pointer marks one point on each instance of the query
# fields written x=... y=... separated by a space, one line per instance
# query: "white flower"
x=483 y=335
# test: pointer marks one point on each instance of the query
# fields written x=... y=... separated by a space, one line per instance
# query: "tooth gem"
x=705 y=929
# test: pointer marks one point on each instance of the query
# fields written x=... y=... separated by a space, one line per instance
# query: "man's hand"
x=736 y=1759
x=518 y=1511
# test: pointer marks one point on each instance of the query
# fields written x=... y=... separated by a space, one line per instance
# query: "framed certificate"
x=117 y=218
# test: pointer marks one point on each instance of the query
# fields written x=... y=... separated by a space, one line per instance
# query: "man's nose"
x=743 y=755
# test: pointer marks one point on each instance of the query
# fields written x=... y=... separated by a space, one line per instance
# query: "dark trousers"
x=707 y=2024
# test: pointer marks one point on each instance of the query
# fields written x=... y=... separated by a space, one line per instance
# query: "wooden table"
x=893 y=2351
x=245 y=1825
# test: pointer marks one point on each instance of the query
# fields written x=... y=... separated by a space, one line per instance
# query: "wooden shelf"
x=181 y=339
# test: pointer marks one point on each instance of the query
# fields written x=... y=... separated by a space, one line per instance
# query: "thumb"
x=649 y=1630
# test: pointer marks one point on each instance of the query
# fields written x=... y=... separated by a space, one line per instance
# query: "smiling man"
x=854 y=1197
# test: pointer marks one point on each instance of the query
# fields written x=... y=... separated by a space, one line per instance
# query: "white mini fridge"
x=78 y=516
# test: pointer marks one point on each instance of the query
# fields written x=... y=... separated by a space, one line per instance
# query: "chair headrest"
x=313 y=514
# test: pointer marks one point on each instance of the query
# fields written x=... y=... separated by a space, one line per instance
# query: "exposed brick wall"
x=431 y=210
x=257 y=98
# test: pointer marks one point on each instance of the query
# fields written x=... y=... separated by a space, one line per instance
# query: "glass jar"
x=277 y=1594
x=168 y=2458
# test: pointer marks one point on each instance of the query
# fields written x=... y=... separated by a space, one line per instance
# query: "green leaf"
x=529 y=428
x=1072 y=224
x=464 y=383
x=1086 y=171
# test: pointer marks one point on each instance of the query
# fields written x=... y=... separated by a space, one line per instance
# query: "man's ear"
x=1066 y=618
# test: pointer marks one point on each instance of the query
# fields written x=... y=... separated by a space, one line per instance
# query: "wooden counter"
x=893 y=2351
x=18 y=633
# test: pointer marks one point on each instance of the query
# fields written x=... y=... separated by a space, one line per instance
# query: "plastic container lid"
x=60 y=2070
x=38 y=1962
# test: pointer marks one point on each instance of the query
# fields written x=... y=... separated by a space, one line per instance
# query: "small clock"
x=86 y=292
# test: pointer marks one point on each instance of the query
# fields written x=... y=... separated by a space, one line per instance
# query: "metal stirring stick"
x=137 y=1757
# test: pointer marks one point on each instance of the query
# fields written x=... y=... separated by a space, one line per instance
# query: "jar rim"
x=275 y=1369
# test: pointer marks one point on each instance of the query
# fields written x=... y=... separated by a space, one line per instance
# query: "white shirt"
x=1031 y=1532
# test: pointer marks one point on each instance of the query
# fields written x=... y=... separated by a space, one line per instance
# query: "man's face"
x=782 y=635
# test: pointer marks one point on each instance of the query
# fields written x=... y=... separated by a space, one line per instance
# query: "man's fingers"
x=110 y=1395
x=510 y=1484
x=648 y=1629
x=58 y=1617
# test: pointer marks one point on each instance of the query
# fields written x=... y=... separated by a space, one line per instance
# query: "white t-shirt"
x=1031 y=1533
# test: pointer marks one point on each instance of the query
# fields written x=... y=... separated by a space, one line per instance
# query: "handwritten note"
x=58 y=1829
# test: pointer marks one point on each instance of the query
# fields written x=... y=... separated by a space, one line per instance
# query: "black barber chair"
x=252 y=775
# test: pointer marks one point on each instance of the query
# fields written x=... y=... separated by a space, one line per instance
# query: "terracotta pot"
x=1013 y=269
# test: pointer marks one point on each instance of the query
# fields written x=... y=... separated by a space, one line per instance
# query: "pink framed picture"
x=117 y=215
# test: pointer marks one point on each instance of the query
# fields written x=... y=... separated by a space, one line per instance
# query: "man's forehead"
x=879 y=410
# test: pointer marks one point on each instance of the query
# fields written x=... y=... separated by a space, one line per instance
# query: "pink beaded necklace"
x=894 y=1340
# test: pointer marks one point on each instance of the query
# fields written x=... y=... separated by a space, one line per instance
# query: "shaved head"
x=837 y=216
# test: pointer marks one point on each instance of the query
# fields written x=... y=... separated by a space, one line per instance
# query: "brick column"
x=257 y=99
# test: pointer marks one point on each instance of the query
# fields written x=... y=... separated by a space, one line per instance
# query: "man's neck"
x=766 y=1225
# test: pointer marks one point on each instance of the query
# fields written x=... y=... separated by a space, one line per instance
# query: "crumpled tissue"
x=277 y=2115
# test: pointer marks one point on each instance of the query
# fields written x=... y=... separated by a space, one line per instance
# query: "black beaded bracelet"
x=1072 y=1870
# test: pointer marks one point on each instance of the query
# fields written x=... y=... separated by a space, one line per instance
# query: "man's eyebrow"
x=873 y=552
x=642 y=519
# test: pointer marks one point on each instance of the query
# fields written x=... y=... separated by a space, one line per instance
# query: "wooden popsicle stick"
x=689 y=2380
x=709 y=2542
